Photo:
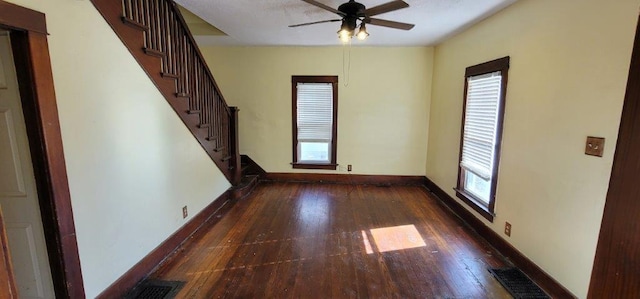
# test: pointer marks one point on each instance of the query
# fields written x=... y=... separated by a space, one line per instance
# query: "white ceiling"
x=265 y=22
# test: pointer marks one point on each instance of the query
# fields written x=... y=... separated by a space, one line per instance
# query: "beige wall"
x=131 y=162
x=382 y=112
x=569 y=64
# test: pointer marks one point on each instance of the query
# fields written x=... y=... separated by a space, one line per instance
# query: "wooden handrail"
x=155 y=30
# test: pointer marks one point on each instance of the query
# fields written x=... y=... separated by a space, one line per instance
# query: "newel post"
x=234 y=164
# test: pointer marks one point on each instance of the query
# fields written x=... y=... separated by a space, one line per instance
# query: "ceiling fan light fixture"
x=345 y=33
x=362 y=32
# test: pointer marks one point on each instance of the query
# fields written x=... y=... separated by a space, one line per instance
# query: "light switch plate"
x=594 y=146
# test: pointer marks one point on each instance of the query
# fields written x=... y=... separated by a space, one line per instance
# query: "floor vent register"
x=518 y=284
x=155 y=289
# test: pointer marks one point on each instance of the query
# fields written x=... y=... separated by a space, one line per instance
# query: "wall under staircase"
x=157 y=36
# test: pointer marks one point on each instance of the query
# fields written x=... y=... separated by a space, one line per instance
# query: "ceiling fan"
x=352 y=12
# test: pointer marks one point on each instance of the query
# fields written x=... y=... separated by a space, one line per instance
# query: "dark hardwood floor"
x=302 y=240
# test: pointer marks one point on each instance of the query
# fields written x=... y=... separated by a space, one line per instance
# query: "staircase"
x=158 y=38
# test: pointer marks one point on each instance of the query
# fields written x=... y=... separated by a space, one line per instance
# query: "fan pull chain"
x=346 y=73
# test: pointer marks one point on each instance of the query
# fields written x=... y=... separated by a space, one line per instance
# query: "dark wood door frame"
x=33 y=67
x=616 y=268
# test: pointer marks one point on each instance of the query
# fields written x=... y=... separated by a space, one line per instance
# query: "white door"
x=18 y=196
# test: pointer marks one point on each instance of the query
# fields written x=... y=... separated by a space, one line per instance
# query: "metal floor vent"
x=518 y=284
x=155 y=289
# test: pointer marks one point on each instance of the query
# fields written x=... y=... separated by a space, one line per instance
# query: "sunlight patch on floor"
x=393 y=238
x=367 y=245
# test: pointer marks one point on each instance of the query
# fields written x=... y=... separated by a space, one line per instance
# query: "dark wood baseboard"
x=357 y=179
x=550 y=285
x=144 y=267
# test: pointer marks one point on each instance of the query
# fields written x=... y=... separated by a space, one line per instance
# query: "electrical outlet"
x=184 y=212
x=349 y=167
x=507 y=229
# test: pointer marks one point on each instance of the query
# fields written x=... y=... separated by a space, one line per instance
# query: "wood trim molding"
x=17 y=17
x=33 y=68
x=544 y=280
x=470 y=200
x=234 y=143
x=209 y=215
x=357 y=179
x=488 y=67
x=328 y=166
x=49 y=164
x=333 y=80
x=499 y=65
x=615 y=272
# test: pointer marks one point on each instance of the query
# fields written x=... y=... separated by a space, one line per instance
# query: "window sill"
x=475 y=204
x=314 y=166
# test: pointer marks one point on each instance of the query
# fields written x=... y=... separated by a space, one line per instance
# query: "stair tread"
x=169 y=75
x=153 y=52
x=134 y=24
x=245 y=181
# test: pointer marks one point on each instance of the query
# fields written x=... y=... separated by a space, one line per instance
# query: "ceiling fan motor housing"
x=352 y=9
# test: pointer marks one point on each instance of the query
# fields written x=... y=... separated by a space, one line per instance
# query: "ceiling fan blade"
x=318 y=22
x=387 y=7
x=390 y=24
x=325 y=7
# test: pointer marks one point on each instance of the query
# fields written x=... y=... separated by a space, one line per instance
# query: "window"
x=315 y=113
x=485 y=89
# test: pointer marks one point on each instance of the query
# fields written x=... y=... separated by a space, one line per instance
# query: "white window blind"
x=480 y=125
x=315 y=112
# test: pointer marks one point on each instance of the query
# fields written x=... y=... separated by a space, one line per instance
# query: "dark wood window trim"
x=332 y=165
x=314 y=166
x=474 y=203
x=501 y=65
